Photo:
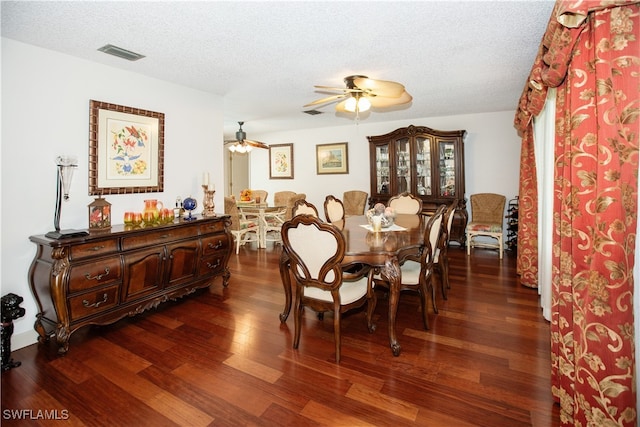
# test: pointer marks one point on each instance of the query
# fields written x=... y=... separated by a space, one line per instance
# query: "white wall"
x=492 y=156
x=45 y=113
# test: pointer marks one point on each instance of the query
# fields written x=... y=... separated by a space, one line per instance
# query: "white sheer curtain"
x=544 y=143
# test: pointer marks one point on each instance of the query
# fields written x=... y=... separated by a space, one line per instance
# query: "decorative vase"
x=153 y=206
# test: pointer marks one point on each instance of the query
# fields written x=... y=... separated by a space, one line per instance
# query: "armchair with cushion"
x=355 y=202
x=243 y=230
x=272 y=225
x=487 y=213
x=287 y=199
x=259 y=194
x=315 y=250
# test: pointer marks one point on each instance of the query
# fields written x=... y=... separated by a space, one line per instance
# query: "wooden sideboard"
x=103 y=277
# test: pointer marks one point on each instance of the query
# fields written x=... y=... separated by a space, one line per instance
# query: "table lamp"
x=66 y=165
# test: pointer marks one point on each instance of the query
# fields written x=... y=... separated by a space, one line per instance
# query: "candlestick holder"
x=209 y=206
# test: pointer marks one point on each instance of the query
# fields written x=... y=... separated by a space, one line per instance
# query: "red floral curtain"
x=527 y=255
x=594 y=61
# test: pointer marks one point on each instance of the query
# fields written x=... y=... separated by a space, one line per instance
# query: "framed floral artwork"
x=126 y=149
x=332 y=158
x=281 y=161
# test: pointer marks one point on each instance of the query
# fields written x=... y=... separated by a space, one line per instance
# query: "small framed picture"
x=281 y=161
x=332 y=158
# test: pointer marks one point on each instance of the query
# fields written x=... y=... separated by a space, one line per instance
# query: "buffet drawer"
x=215 y=227
x=93 y=274
x=212 y=244
x=93 y=302
x=159 y=236
x=94 y=249
x=212 y=264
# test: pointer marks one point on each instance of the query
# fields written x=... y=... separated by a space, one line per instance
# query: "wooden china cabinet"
x=425 y=162
x=103 y=277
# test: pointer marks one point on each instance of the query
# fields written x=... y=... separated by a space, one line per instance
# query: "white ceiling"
x=263 y=58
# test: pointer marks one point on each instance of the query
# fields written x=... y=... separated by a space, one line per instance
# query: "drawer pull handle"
x=213 y=266
x=96 y=248
x=216 y=246
x=99 y=276
x=95 y=304
x=165 y=236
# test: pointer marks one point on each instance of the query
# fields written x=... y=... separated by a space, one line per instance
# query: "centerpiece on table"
x=245 y=195
x=386 y=214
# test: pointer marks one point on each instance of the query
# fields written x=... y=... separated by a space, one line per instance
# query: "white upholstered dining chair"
x=406 y=203
x=333 y=209
x=315 y=250
x=417 y=273
x=302 y=207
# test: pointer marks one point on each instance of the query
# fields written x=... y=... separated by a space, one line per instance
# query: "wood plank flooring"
x=221 y=357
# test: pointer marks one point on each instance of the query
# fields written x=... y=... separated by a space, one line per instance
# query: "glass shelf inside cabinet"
x=447 y=169
x=382 y=169
x=423 y=166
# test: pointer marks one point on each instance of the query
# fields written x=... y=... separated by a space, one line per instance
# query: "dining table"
x=260 y=211
x=384 y=251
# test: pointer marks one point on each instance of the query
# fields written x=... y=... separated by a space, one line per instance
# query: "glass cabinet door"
x=447 y=185
x=382 y=169
x=423 y=166
x=403 y=165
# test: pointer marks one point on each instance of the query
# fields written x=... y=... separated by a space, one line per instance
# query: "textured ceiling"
x=263 y=58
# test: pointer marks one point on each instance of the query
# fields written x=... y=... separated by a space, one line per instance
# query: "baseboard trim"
x=23 y=339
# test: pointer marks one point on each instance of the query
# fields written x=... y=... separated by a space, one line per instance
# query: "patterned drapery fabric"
x=591 y=53
x=527 y=250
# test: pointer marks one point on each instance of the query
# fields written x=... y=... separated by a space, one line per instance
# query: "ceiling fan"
x=243 y=145
x=362 y=93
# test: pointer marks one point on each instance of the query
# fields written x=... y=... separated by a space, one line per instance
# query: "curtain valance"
x=554 y=54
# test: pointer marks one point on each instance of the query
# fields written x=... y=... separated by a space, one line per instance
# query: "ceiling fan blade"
x=326 y=100
x=341 y=89
x=256 y=144
x=384 y=88
x=382 y=101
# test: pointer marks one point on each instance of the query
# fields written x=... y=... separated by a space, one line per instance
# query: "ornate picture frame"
x=332 y=158
x=126 y=149
x=281 y=161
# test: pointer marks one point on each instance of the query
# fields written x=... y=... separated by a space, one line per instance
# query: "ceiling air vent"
x=120 y=52
x=312 y=112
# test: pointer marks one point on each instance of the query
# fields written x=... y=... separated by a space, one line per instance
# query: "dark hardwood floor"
x=221 y=357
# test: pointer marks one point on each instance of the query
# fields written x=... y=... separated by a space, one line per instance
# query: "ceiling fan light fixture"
x=357 y=104
x=364 y=104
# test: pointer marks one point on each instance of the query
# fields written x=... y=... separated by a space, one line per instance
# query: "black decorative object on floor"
x=11 y=311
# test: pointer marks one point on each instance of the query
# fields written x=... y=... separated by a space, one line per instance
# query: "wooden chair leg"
x=423 y=304
x=336 y=331
x=297 y=316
